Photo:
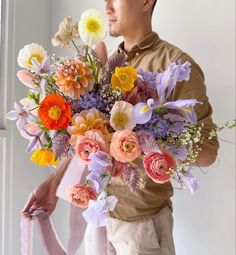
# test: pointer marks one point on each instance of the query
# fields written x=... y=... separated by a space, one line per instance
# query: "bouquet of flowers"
x=117 y=120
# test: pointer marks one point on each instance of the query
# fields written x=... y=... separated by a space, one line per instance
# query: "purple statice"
x=157 y=126
x=61 y=146
x=88 y=101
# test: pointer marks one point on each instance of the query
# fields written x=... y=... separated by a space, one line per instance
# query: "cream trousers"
x=152 y=236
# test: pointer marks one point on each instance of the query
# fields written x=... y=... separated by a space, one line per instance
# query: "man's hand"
x=44 y=198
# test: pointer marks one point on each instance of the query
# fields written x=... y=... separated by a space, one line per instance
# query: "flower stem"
x=75 y=46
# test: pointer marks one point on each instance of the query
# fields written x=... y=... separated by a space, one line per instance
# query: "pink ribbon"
x=75 y=173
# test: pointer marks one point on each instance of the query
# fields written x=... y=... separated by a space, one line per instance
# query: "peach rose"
x=159 y=166
x=80 y=195
x=91 y=141
x=125 y=146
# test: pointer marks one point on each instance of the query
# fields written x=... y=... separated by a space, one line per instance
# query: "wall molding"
x=6 y=128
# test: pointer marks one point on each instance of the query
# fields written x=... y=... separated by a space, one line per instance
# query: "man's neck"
x=135 y=38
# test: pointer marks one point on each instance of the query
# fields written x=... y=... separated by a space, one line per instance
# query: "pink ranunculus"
x=125 y=146
x=27 y=78
x=80 y=195
x=88 y=143
x=159 y=166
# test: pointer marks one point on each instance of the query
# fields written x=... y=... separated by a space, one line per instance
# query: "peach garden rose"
x=125 y=146
x=90 y=142
x=80 y=195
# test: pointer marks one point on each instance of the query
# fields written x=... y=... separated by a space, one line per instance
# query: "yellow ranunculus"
x=92 y=27
x=124 y=78
x=44 y=157
x=29 y=52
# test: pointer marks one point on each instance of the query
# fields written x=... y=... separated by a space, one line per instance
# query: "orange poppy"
x=54 y=112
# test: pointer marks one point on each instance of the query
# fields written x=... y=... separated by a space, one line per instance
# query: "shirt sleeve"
x=195 y=88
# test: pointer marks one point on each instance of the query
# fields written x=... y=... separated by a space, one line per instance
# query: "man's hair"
x=153 y=7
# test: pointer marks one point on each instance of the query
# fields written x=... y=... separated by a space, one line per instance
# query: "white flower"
x=30 y=52
x=92 y=27
x=121 y=116
x=66 y=33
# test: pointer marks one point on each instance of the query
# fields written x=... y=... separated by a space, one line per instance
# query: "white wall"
x=25 y=21
x=205 y=221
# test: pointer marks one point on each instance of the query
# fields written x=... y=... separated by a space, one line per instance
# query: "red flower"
x=54 y=112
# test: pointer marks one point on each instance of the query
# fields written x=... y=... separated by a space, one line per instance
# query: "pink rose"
x=91 y=141
x=80 y=195
x=159 y=166
x=125 y=146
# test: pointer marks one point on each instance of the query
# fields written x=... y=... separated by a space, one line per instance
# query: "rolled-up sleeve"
x=195 y=88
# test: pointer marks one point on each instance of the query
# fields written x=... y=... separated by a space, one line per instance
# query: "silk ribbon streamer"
x=75 y=173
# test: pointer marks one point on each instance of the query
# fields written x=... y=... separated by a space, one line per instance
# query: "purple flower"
x=179 y=153
x=61 y=146
x=186 y=106
x=43 y=68
x=88 y=101
x=99 y=162
x=166 y=82
x=98 y=182
x=34 y=143
x=157 y=126
x=177 y=123
x=150 y=77
x=142 y=112
x=147 y=141
x=96 y=214
x=21 y=115
x=187 y=180
x=133 y=178
x=97 y=166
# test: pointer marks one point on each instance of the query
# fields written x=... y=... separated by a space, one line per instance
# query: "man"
x=142 y=222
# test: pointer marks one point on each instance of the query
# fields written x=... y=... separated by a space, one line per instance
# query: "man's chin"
x=114 y=34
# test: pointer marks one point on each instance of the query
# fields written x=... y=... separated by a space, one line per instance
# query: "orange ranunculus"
x=54 y=112
x=80 y=195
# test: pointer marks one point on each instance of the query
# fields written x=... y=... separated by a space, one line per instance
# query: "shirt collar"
x=147 y=42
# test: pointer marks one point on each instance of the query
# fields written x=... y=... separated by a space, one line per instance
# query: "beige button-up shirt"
x=154 y=54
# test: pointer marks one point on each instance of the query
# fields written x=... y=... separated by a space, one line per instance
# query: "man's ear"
x=148 y=4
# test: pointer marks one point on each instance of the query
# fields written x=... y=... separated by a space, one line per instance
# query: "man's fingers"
x=29 y=203
x=101 y=51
